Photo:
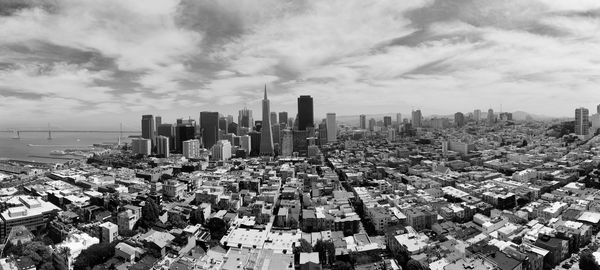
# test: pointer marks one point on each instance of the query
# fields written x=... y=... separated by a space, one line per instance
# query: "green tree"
x=415 y=265
x=175 y=220
x=197 y=216
x=304 y=247
x=326 y=250
x=217 y=227
x=150 y=213
x=94 y=255
x=588 y=262
x=38 y=252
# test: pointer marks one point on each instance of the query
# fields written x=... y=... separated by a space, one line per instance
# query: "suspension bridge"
x=16 y=133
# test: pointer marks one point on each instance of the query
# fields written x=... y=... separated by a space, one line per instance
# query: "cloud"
x=124 y=58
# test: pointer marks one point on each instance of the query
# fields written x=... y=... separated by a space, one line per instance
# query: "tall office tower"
x=223 y=124
x=387 y=121
x=417 y=118
x=459 y=119
x=491 y=117
x=274 y=118
x=398 y=118
x=254 y=143
x=283 y=118
x=168 y=131
x=595 y=120
x=162 y=146
x=305 y=112
x=598 y=109
x=157 y=122
x=209 y=126
x=362 y=123
x=331 y=128
x=148 y=128
x=291 y=122
x=276 y=131
x=245 y=119
x=191 y=149
x=300 y=143
x=245 y=143
x=221 y=150
x=287 y=143
x=582 y=123
x=372 y=124
x=266 y=135
x=183 y=133
x=229 y=118
x=477 y=115
x=323 y=132
x=141 y=146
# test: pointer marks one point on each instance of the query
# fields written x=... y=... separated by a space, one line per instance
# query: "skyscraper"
x=148 y=128
x=398 y=118
x=209 y=126
x=372 y=123
x=362 y=122
x=245 y=143
x=223 y=124
x=459 y=119
x=191 y=149
x=598 y=109
x=221 y=150
x=387 y=121
x=273 y=118
x=162 y=146
x=168 y=131
x=331 y=128
x=417 y=118
x=477 y=115
x=157 y=122
x=283 y=119
x=245 y=119
x=141 y=146
x=305 y=112
x=323 y=132
x=183 y=133
x=287 y=145
x=491 y=117
x=582 y=119
x=266 y=135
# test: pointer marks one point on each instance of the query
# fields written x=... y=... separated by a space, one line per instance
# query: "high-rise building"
x=245 y=119
x=287 y=145
x=183 y=133
x=582 y=121
x=491 y=117
x=141 y=146
x=274 y=118
x=323 y=132
x=245 y=143
x=459 y=119
x=387 y=121
x=276 y=131
x=331 y=128
x=148 y=127
x=162 y=146
x=362 y=123
x=266 y=135
x=168 y=131
x=209 y=126
x=223 y=124
x=157 y=122
x=300 y=143
x=372 y=124
x=283 y=119
x=305 y=112
x=254 y=143
x=191 y=149
x=598 y=109
x=417 y=119
x=477 y=115
x=398 y=118
x=221 y=150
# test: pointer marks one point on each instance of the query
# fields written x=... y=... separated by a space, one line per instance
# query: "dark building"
x=223 y=124
x=283 y=119
x=183 y=133
x=459 y=119
x=232 y=128
x=157 y=121
x=300 y=141
x=209 y=127
x=148 y=127
x=254 y=143
x=305 y=112
x=387 y=121
x=323 y=133
x=167 y=130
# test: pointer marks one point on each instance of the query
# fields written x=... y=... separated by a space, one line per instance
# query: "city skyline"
x=176 y=59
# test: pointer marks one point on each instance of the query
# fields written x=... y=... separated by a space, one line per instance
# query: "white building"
x=162 y=146
x=221 y=150
x=141 y=146
x=108 y=232
x=331 y=128
x=191 y=149
x=75 y=243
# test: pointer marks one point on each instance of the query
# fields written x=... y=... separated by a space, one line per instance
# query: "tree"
x=94 y=255
x=150 y=213
x=341 y=265
x=197 y=216
x=326 y=250
x=415 y=265
x=175 y=220
x=588 y=262
x=217 y=227
x=304 y=247
x=38 y=252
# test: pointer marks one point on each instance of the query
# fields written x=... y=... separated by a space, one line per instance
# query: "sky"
x=95 y=64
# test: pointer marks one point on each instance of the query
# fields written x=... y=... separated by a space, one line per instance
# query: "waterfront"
x=35 y=146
